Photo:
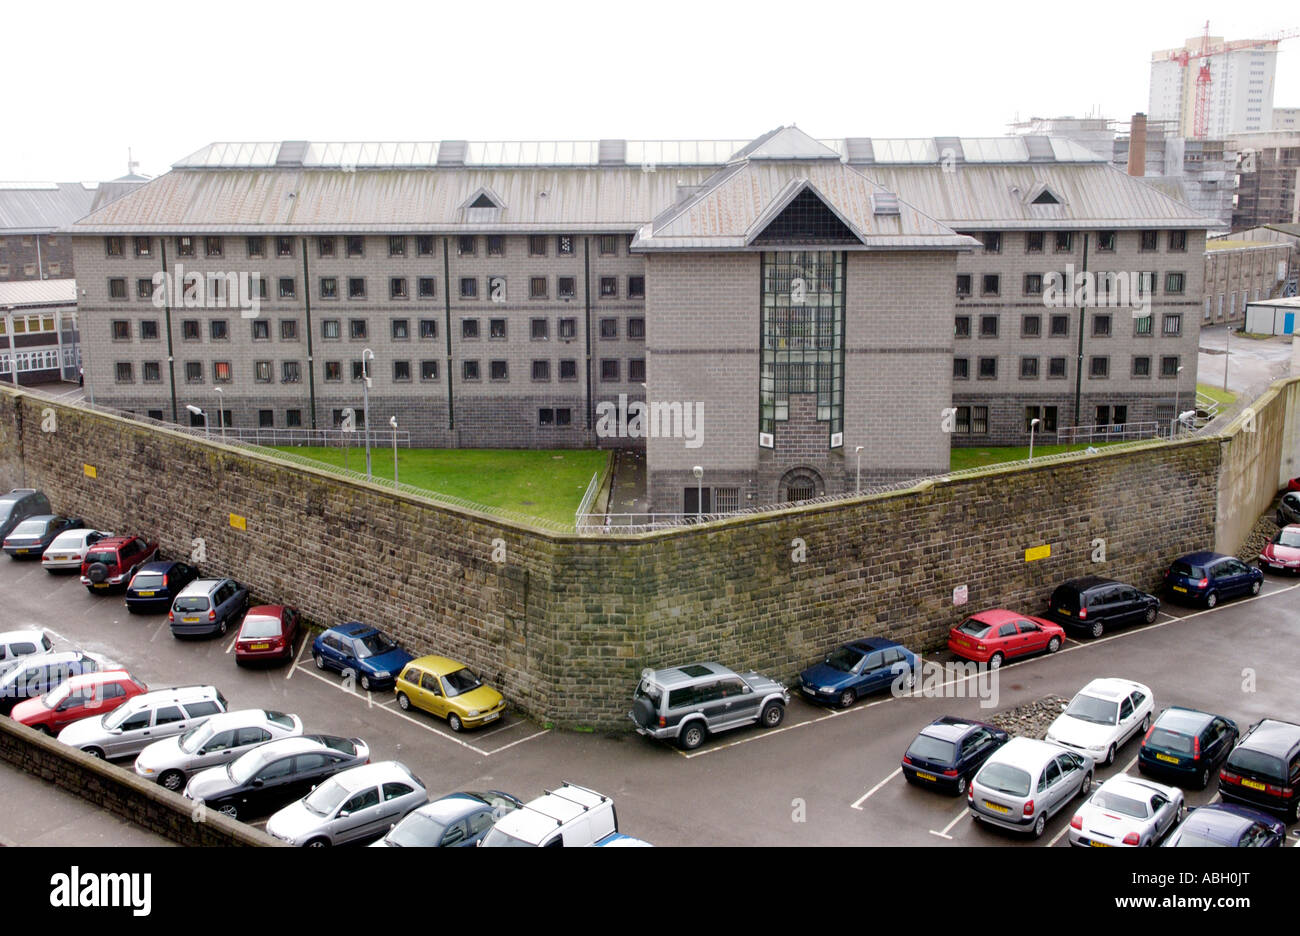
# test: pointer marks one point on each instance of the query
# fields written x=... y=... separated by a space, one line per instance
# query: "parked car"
x=568 y=817
x=69 y=548
x=112 y=561
x=1126 y=812
x=275 y=774
x=1263 y=770
x=18 y=505
x=1288 y=508
x=858 y=668
x=456 y=820
x=351 y=806
x=1102 y=717
x=155 y=586
x=30 y=538
x=1025 y=783
x=221 y=738
x=371 y=655
x=449 y=690
x=207 y=606
x=998 y=635
x=1093 y=605
x=149 y=717
x=1282 y=552
x=949 y=751
x=80 y=697
x=1208 y=578
x=1224 y=825
x=17 y=644
x=1187 y=746
x=39 y=673
x=687 y=703
x=267 y=634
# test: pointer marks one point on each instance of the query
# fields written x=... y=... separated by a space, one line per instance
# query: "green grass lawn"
x=1224 y=397
x=544 y=484
x=995 y=455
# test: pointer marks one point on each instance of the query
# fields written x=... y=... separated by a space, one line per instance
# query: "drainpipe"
x=586 y=301
x=311 y=363
x=446 y=305
x=167 y=314
x=1078 y=376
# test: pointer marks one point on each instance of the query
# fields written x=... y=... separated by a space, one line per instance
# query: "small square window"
x=290 y=372
x=113 y=246
x=1142 y=325
x=266 y=419
x=428 y=370
x=194 y=372
x=1064 y=241
x=284 y=246
x=184 y=246
x=541 y=370
x=609 y=328
x=1031 y=326
x=539 y=329
x=333 y=371
x=991 y=284
x=568 y=369
x=190 y=330
x=355 y=245
x=424 y=245
x=358 y=330
x=568 y=329
x=609 y=287
x=396 y=245
x=1034 y=242
x=125 y=372
x=992 y=242
x=428 y=287
x=329 y=287
x=537 y=245
x=143 y=287
x=213 y=246
x=565 y=287
x=397 y=287
x=148 y=329
x=1106 y=241
x=1177 y=241
x=961 y=326
x=401 y=371
x=497 y=328
x=356 y=287
x=537 y=287
x=1101 y=325
x=121 y=330
x=636 y=370
x=1029 y=368
x=219 y=329
x=287 y=287
x=401 y=329
x=325 y=246
x=608 y=245
x=1172 y=325
x=469 y=370
x=152 y=372
x=1142 y=366
x=988 y=368
x=221 y=372
x=609 y=370
x=330 y=329
x=1056 y=367
x=1169 y=366
x=963 y=284
x=293 y=418
x=636 y=287
x=1099 y=366
x=468 y=287
x=564 y=245
x=469 y=329
x=1033 y=284
x=498 y=370
x=288 y=329
x=636 y=328
x=988 y=326
x=546 y=416
x=1149 y=241
x=117 y=288
x=961 y=368
x=496 y=245
x=1060 y=326
x=1173 y=283
x=428 y=329
x=143 y=246
x=465 y=245
x=261 y=330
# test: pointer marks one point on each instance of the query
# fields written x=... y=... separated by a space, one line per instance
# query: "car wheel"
x=1254 y=587
x=320 y=661
x=403 y=702
x=692 y=736
x=1211 y=600
x=1151 y=615
x=222 y=629
x=1110 y=756
x=1293 y=815
x=94 y=752
x=172 y=780
x=773 y=714
x=453 y=722
x=1054 y=644
x=1203 y=778
x=1087 y=784
x=230 y=811
x=847 y=698
x=1098 y=628
x=365 y=682
x=961 y=785
x=995 y=661
x=1040 y=825
x=318 y=843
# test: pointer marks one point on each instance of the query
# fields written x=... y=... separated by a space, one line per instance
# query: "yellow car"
x=449 y=690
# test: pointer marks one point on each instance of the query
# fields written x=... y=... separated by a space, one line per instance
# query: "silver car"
x=350 y=806
x=148 y=717
x=221 y=738
x=14 y=645
x=1126 y=811
x=1025 y=783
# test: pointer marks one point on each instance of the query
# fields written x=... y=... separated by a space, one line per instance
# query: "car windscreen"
x=279 y=718
x=1171 y=740
x=147 y=580
x=119 y=715
x=501 y=840
x=191 y=603
x=326 y=798
x=30 y=528
x=244 y=768
x=933 y=749
x=106 y=556
x=460 y=682
x=52 y=700
x=843 y=659
x=1192 y=839
x=417 y=831
x=340 y=744
x=1257 y=763
x=374 y=645
x=69 y=540
x=1287 y=538
x=196 y=737
x=1005 y=779
x=1124 y=805
x=1188 y=570
x=1091 y=709
x=974 y=627
x=260 y=626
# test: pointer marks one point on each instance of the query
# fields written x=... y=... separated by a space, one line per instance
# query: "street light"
x=221 y=415
x=1033 y=424
x=198 y=412
x=1227 y=357
x=392 y=421
x=858 y=452
x=365 y=391
x=698 y=471
x=1177 y=391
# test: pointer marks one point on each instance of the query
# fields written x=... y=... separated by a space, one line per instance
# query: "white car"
x=352 y=805
x=1106 y=713
x=69 y=549
x=171 y=761
x=1127 y=811
x=14 y=645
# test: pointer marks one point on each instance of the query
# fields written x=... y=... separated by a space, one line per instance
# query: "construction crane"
x=1201 y=98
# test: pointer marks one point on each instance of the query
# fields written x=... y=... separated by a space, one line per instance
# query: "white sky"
x=165 y=78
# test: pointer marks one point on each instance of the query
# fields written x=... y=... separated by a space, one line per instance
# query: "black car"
x=949 y=751
x=1264 y=769
x=31 y=537
x=156 y=584
x=275 y=774
x=18 y=505
x=1092 y=605
x=1187 y=746
x=1288 y=509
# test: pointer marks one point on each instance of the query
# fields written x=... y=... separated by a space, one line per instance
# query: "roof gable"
x=801 y=215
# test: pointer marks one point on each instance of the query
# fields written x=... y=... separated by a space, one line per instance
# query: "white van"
x=569 y=817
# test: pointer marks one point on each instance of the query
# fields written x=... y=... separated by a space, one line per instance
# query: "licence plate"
x=997 y=807
x=189 y=620
x=102 y=585
x=146 y=594
x=926 y=776
x=265 y=646
x=1253 y=784
x=56 y=558
x=1096 y=844
x=1065 y=612
x=23 y=552
x=493 y=717
x=1179 y=588
x=1167 y=759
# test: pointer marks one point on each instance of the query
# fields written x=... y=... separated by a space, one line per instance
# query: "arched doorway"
x=800 y=484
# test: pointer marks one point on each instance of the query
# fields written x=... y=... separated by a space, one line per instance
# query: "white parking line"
x=158 y=630
x=865 y=796
x=948 y=828
x=536 y=734
x=1168 y=615
x=298 y=657
x=233 y=641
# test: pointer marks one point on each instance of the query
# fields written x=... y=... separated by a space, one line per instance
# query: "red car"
x=1283 y=553
x=268 y=633
x=84 y=696
x=1293 y=484
x=995 y=636
x=112 y=561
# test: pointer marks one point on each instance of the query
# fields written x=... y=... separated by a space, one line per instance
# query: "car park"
x=1225 y=825
x=859 y=668
x=207 y=607
x=69 y=548
x=1208 y=578
x=1025 y=783
x=112 y=561
x=997 y=635
x=1102 y=716
x=18 y=505
x=1187 y=746
x=155 y=586
x=1263 y=770
x=1126 y=812
x=30 y=538
x=1093 y=605
x=1282 y=552
x=267 y=634
x=351 y=806
x=949 y=751
x=1288 y=508
x=17 y=644
x=149 y=717
x=450 y=690
x=457 y=820
x=569 y=817
x=82 y=696
x=39 y=673
x=370 y=655
x=275 y=774
x=223 y=737
x=687 y=703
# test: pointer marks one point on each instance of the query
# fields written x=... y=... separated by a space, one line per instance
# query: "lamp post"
x=198 y=412
x=365 y=392
x=1033 y=424
x=858 y=483
x=221 y=415
x=392 y=421
x=1177 y=391
x=1227 y=356
x=698 y=471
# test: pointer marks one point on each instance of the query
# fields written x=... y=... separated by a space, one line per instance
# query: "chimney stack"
x=1137 y=145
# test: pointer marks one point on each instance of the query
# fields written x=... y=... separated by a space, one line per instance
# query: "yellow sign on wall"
x=1038 y=552
x=89 y=470
x=238 y=522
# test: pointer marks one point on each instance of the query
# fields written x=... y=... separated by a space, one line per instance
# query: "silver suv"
x=687 y=703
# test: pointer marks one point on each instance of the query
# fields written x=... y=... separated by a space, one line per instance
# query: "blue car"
x=156 y=584
x=857 y=669
x=949 y=751
x=1209 y=577
x=455 y=821
x=1187 y=746
x=1223 y=825
x=356 y=648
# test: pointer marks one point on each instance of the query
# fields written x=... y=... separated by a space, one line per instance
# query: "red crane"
x=1201 y=98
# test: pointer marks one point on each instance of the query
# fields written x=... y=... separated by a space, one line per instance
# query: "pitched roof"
x=27 y=293
x=40 y=207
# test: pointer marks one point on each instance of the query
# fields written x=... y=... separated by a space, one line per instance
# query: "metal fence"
x=1117 y=432
x=323 y=438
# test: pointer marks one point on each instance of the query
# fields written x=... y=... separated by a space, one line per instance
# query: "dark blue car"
x=156 y=584
x=1187 y=746
x=1209 y=577
x=949 y=751
x=457 y=820
x=857 y=669
x=374 y=658
x=1224 y=825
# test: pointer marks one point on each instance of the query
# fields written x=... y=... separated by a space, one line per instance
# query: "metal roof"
x=38 y=207
x=23 y=293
